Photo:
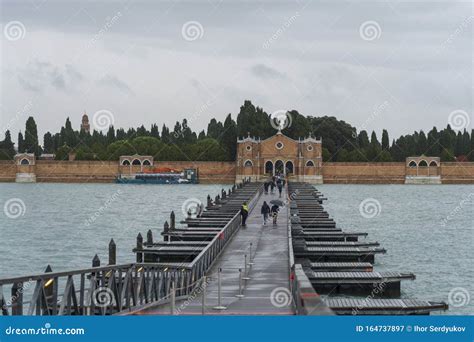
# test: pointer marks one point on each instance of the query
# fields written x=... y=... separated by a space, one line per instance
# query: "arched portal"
x=126 y=162
x=269 y=167
x=289 y=167
x=25 y=162
x=248 y=163
x=146 y=162
x=279 y=167
x=136 y=162
x=422 y=163
x=412 y=164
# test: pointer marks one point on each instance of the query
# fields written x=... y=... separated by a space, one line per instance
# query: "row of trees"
x=341 y=141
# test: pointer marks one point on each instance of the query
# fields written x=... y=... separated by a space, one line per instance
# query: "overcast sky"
x=398 y=65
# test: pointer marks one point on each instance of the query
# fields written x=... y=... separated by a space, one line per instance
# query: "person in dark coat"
x=244 y=213
x=274 y=210
x=272 y=187
x=265 y=212
x=265 y=186
x=279 y=186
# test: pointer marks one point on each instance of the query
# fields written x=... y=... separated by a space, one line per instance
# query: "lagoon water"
x=427 y=230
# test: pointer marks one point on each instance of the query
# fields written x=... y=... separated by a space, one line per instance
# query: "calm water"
x=427 y=230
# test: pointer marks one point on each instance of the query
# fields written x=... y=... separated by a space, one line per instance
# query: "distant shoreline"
x=48 y=171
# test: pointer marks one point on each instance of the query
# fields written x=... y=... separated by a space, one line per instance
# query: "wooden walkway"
x=267 y=291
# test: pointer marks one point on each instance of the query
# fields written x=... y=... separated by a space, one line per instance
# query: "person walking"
x=265 y=212
x=244 y=213
x=272 y=187
x=274 y=210
x=279 y=186
x=265 y=186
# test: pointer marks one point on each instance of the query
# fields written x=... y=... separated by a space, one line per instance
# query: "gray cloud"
x=114 y=82
x=265 y=72
x=38 y=75
x=420 y=64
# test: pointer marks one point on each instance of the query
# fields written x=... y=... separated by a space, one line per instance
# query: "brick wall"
x=225 y=172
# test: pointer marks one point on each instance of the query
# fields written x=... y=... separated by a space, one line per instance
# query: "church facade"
x=299 y=160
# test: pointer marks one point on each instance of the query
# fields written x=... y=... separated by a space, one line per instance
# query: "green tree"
x=7 y=147
x=385 y=140
x=229 y=138
x=21 y=143
x=48 y=143
x=31 y=137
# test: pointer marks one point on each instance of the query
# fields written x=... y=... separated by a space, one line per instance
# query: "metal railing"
x=112 y=289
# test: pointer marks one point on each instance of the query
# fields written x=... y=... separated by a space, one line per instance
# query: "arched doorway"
x=269 y=167
x=279 y=167
x=289 y=167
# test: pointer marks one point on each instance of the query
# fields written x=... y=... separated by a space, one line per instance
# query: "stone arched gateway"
x=280 y=154
x=422 y=170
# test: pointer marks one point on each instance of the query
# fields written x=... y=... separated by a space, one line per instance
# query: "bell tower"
x=85 y=123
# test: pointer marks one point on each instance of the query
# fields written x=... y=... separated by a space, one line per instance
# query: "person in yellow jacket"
x=244 y=212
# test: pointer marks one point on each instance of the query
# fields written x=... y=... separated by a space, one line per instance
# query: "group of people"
x=266 y=211
x=276 y=182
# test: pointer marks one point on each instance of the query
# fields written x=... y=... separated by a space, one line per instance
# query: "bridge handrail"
x=129 y=285
x=219 y=241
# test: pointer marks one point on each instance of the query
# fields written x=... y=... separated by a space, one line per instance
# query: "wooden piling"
x=96 y=261
x=172 y=220
x=17 y=299
x=139 y=247
x=149 y=237
x=112 y=252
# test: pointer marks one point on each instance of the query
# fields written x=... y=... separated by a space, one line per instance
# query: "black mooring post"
x=139 y=247
x=17 y=299
x=149 y=237
x=166 y=229
x=112 y=252
x=49 y=288
x=96 y=261
x=172 y=220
